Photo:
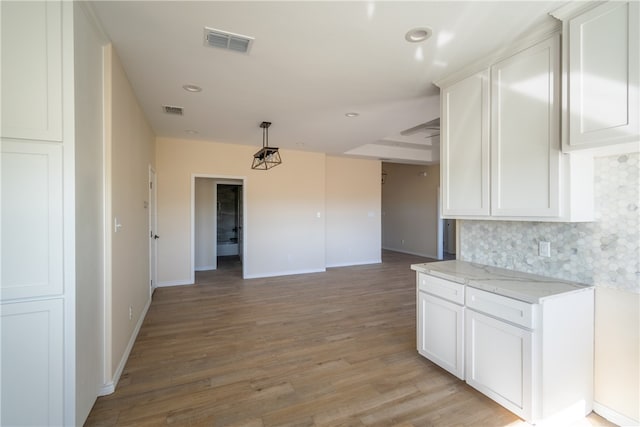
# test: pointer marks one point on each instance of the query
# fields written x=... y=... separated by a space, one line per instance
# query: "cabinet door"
x=498 y=361
x=31 y=70
x=603 y=75
x=525 y=133
x=465 y=147
x=31 y=375
x=32 y=213
x=440 y=332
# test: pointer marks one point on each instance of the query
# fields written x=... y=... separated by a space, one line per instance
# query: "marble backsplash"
x=604 y=252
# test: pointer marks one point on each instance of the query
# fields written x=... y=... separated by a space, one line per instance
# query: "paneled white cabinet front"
x=534 y=359
x=465 y=147
x=501 y=156
x=499 y=360
x=603 y=76
x=31 y=70
x=525 y=133
x=440 y=323
x=32 y=232
x=32 y=363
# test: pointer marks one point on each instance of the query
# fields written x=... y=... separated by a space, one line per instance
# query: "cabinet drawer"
x=451 y=291
x=509 y=309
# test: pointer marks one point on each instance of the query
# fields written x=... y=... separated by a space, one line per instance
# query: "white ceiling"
x=310 y=63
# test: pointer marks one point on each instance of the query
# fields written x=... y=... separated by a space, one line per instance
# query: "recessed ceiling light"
x=191 y=131
x=352 y=114
x=416 y=35
x=192 y=88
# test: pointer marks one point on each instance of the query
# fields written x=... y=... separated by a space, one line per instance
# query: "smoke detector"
x=226 y=40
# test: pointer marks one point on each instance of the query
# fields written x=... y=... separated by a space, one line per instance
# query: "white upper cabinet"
x=525 y=133
x=465 y=146
x=500 y=145
x=601 y=79
x=31 y=70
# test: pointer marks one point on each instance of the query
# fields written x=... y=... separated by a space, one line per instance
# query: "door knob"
x=155 y=236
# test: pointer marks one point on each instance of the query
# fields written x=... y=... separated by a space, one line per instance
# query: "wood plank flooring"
x=326 y=349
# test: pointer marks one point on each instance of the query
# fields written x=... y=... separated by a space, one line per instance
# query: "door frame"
x=193 y=216
x=153 y=243
x=440 y=227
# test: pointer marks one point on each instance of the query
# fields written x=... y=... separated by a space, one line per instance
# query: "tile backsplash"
x=604 y=252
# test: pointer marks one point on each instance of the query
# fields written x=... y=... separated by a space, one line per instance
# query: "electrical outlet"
x=130 y=313
x=544 y=249
x=402 y=242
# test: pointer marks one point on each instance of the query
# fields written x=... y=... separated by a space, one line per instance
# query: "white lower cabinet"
x=499 y=361
x=440 y=325
x=533 y=358
x=440 y=333
x=32 y=371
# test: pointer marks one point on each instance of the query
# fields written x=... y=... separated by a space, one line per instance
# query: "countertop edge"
x=501 y=274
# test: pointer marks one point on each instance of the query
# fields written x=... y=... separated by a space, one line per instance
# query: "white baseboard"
x=404 y=251
x=349 y=264
x=110 y=387
x=613 y=416
x=205 y=268
x=107 y=389
x=284 y=273
x=174 y=283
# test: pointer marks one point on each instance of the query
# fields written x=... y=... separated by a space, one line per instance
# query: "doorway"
x=449 y=239
x=218 y=219
x=228 y=225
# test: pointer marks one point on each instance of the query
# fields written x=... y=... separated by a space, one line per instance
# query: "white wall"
x=352 y=211
x=205 y=224
x=129 y=152
x=617 y=352
x=89 y=190
x=410 y=209
x=284 y=234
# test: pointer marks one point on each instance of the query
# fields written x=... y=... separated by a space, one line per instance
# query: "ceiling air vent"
x=226 y=40
x=171 y=109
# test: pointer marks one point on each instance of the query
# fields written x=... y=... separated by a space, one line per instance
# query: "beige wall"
x=205 y=224
x=617 y=351
x=89 y=192
x=129 y=153
x=410 y=209
x=285 y=206
x=352 y=211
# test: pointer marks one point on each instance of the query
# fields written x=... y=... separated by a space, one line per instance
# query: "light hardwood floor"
x=326 y=349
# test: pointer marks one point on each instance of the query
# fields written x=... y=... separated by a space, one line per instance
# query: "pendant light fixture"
x=267 y=157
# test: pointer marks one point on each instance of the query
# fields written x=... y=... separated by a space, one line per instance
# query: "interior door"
x=153 y=231
x=239 y=221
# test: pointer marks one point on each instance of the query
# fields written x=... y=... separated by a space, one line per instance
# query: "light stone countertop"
x=527 y=287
